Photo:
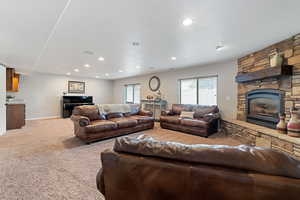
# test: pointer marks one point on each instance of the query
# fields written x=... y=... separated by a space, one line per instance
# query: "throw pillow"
x=102 y=116
x=135 y=109
x=185 y=114
x=102 y=113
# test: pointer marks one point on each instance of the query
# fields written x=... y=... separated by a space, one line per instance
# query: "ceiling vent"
x=135 y=44
x=88 y=52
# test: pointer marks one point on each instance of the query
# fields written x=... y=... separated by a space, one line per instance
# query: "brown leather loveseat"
x=204 y=122
x=91 y=125
x=146 y=169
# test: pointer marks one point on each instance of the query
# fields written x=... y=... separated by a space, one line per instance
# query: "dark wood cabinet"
x=12 y=80
x=15 y=116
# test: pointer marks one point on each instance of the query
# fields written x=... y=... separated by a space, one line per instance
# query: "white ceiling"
x=51 y=36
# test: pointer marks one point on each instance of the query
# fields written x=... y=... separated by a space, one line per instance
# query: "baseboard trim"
x=42 y=118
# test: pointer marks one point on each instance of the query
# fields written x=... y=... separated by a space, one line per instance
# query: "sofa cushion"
x=124 y=122
x=88 y=111
x=114 y=115
x=194 y=123
x=100 y=126
x=263 y=160
x=170 y=119
x=142 y=119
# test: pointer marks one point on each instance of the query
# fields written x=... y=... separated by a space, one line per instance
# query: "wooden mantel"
x=270 y=72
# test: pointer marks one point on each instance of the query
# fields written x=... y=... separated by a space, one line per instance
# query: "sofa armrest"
x=211 y=116
x=166 y=113
x=81 y=120
x=146 y=113
x=100 y=181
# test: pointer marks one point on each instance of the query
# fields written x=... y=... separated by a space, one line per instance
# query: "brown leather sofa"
x=204 y=123
x=90 y=125
x=146 y=169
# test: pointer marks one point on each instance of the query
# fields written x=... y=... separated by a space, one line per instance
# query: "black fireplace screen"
x=263 y=106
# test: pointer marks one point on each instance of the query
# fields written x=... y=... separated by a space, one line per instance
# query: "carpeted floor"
x=45 y=161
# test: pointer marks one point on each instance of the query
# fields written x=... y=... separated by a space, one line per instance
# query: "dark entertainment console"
x=70 y=102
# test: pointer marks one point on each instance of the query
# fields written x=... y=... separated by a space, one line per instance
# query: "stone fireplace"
x=289 y=86
x=262 y=96
x=263 y=106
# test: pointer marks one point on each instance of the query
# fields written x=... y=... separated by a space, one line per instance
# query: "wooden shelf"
x=271 y=72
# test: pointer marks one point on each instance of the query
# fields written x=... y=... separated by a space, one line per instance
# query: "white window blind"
x=132 y=93
x=188 y=91
x=202 y=91
x=207 y=91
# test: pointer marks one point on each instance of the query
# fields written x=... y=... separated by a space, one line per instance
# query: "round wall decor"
x=154 y=83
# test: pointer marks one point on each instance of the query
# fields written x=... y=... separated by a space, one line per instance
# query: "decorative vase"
x=149 y=97
x=294 y=124
x=276 y=59
x=281 y=127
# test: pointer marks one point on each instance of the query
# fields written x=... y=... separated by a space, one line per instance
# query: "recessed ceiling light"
x=173 y=58
x=101 y=58
x=106 y=74
x=138 y=67
x=68 y=74
x=187 y=22
x=220 y=46
x=76 y=70
x=97 y=77
x=120 y=70
x=87 y=66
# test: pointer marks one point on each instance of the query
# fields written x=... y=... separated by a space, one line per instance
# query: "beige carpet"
x=45 y=161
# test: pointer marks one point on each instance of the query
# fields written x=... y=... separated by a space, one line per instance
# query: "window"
x=202 y=91
x=189 y=91
x=132 y=93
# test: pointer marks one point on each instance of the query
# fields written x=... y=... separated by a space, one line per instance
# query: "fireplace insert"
x=264 y=106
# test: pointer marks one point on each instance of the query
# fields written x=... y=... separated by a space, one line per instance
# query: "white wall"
x=227 y=88
x=43 y=93
x=2 y=99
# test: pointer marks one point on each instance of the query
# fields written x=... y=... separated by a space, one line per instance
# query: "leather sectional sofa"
x=91 y=125
x=204 y=123
x=143 y=168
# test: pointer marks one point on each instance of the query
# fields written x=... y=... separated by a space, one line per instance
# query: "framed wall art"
x=76 y=87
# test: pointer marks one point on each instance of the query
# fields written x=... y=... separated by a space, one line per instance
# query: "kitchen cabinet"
x=15 y=116
x=12 y=80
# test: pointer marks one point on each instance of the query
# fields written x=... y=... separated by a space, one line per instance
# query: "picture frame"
x=154 y=83
x=76 y=87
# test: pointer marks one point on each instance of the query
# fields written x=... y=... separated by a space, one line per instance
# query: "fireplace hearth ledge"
x=256 y=135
